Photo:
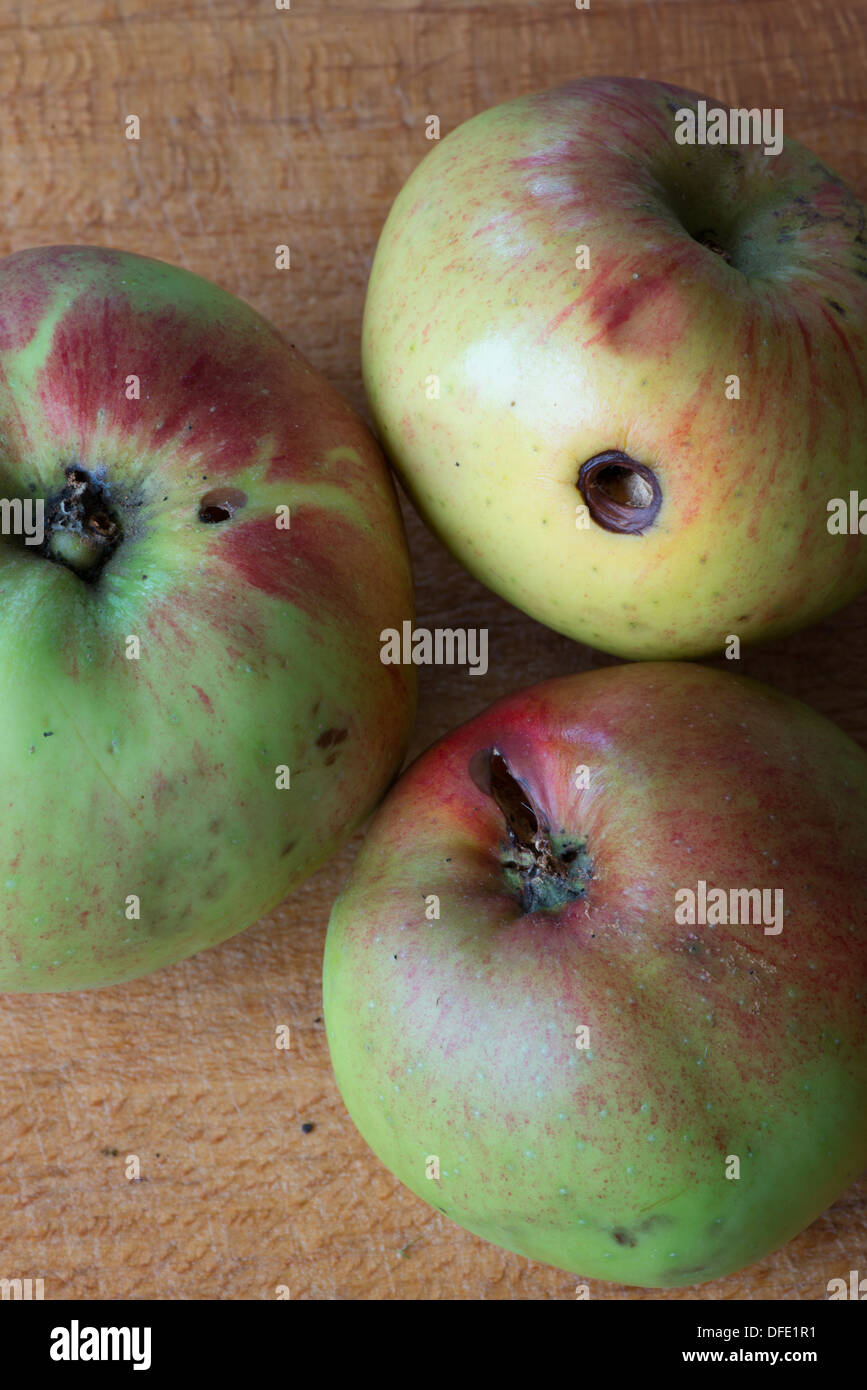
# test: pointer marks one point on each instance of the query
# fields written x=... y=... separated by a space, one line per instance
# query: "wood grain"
x=261 y=127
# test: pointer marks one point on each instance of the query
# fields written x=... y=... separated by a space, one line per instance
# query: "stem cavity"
x=543 y=871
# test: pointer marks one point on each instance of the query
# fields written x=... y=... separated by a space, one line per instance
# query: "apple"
x=530 y=1031
x=624 y=378
x=194 y=712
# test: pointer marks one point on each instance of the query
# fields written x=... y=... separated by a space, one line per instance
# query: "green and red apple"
x=195 y=714
x=623 y=377
x=532 y=1027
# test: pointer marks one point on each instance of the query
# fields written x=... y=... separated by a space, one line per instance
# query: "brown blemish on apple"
x=622 y=495
x=330 y=737
x=623 y=1237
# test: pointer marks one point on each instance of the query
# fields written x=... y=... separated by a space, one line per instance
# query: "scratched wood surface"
x=260 y=127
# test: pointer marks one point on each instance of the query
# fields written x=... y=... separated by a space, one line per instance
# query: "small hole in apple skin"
x=622 y=495
x=220 y=504
x=626 y=486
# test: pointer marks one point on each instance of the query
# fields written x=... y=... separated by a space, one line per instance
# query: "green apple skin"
x=156 y=778
x=541 y=366
x=456 y=1038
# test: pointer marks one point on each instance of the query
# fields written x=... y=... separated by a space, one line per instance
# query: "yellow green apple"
x=194 y=712
x=597 y=986
x=623 y=377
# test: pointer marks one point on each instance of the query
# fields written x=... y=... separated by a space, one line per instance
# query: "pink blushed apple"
x=194 y=712
x=529 y=1029
x=623 y=377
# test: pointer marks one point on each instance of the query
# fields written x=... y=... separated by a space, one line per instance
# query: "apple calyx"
x=542 y=870
x=81 y=531
x=621 y=494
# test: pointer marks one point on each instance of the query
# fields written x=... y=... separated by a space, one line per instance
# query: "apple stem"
x=542 y=871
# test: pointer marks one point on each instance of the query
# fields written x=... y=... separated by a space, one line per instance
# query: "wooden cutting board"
x=260 y=127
